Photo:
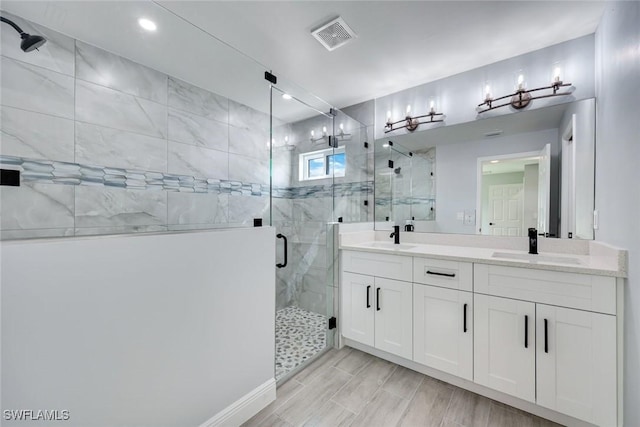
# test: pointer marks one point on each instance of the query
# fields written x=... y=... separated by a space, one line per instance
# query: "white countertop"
x=600 y=260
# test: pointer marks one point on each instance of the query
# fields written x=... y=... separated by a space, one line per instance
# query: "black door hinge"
x=10 y=177
x=333 y=323
x=270 y=77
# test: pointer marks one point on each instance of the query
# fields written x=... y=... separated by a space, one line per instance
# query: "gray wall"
x=141 y=330
x=109 y=146
x=458 y=95
x=617 y=171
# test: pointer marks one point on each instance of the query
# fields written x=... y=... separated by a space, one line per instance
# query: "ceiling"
x=400 y=44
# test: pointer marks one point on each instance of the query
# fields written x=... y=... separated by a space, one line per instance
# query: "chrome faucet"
x=533 y=241
x=396 y=234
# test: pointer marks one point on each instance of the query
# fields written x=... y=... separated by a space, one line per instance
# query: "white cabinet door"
x=443 y=329
x=393 y=318
x=576 y=356
x=357 y=295
x=504 y=345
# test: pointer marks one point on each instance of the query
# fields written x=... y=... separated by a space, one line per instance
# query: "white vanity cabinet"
x=576 y=363
x=560 y=358
x=548 y=340
x=504 y=346
x=443 y=315
x=377 y=311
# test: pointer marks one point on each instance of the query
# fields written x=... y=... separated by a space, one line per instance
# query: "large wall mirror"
x=495 y=176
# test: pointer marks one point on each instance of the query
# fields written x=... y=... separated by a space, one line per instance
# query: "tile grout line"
x=409 y=400
x=75 y=131
x=166 y=140
x=446 y=412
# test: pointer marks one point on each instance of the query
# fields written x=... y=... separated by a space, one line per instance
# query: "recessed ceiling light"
x=147 y=24
x=286 y=96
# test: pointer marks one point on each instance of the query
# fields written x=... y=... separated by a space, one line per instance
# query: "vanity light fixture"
x=341 y=135
x=522 y=96
x=147 y=24
x=410 y=122
x=323 y=137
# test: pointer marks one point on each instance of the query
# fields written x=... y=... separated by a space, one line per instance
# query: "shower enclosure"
x=319 y=179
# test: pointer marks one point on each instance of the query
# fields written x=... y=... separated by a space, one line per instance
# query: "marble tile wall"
x=309 y=282
x=107 y=145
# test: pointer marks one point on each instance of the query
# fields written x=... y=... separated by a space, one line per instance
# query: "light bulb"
x=341 y=126
x=408 y=109
x=487 y=92
x=312 y=133
x=556 y=74
x=520 y=81
x=324 y=130
x=432 y=106
x=286 y=139
x=389 y=116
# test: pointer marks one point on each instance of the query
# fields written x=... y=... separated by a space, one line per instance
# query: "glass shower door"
x=303 y=162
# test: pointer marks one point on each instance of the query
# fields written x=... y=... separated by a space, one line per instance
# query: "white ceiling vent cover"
x=334 y=34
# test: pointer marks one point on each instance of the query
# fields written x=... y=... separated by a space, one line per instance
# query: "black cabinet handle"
x=377 y=299
x=435 y=273
x=282 y=265
x=526 y=331
x=368 y=303
x=546 y=336
x=464 y=327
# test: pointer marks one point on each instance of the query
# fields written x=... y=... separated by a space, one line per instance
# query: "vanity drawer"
x=396 y=267
x=447 y=274
x=573 y=290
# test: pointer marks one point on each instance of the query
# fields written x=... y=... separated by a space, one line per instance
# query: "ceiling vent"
x=334 y=34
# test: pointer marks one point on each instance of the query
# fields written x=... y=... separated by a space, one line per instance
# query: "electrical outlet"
x=470 y=217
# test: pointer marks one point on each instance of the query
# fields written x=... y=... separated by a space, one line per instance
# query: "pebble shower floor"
x=300 y=335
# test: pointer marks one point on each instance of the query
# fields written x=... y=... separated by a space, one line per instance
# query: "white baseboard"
x=245 y=407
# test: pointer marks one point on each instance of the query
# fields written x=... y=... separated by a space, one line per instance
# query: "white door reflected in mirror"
x=513 y=193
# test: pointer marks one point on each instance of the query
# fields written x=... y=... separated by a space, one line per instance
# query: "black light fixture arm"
x=13 y=24
x=411 y=123
x=29 y=42
x=523 y=97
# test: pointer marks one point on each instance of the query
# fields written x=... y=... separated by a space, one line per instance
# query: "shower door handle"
x=282 y=236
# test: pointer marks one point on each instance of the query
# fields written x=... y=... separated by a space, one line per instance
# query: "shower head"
x=29 y=42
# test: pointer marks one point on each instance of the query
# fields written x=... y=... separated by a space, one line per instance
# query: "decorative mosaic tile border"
x=345 y=189
x=405 y=201
x=66 y=173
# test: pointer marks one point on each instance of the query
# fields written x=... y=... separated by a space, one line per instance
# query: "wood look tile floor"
x=350 y=388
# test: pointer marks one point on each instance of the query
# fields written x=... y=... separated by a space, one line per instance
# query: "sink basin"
x=538 y=258
x=387 y=245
